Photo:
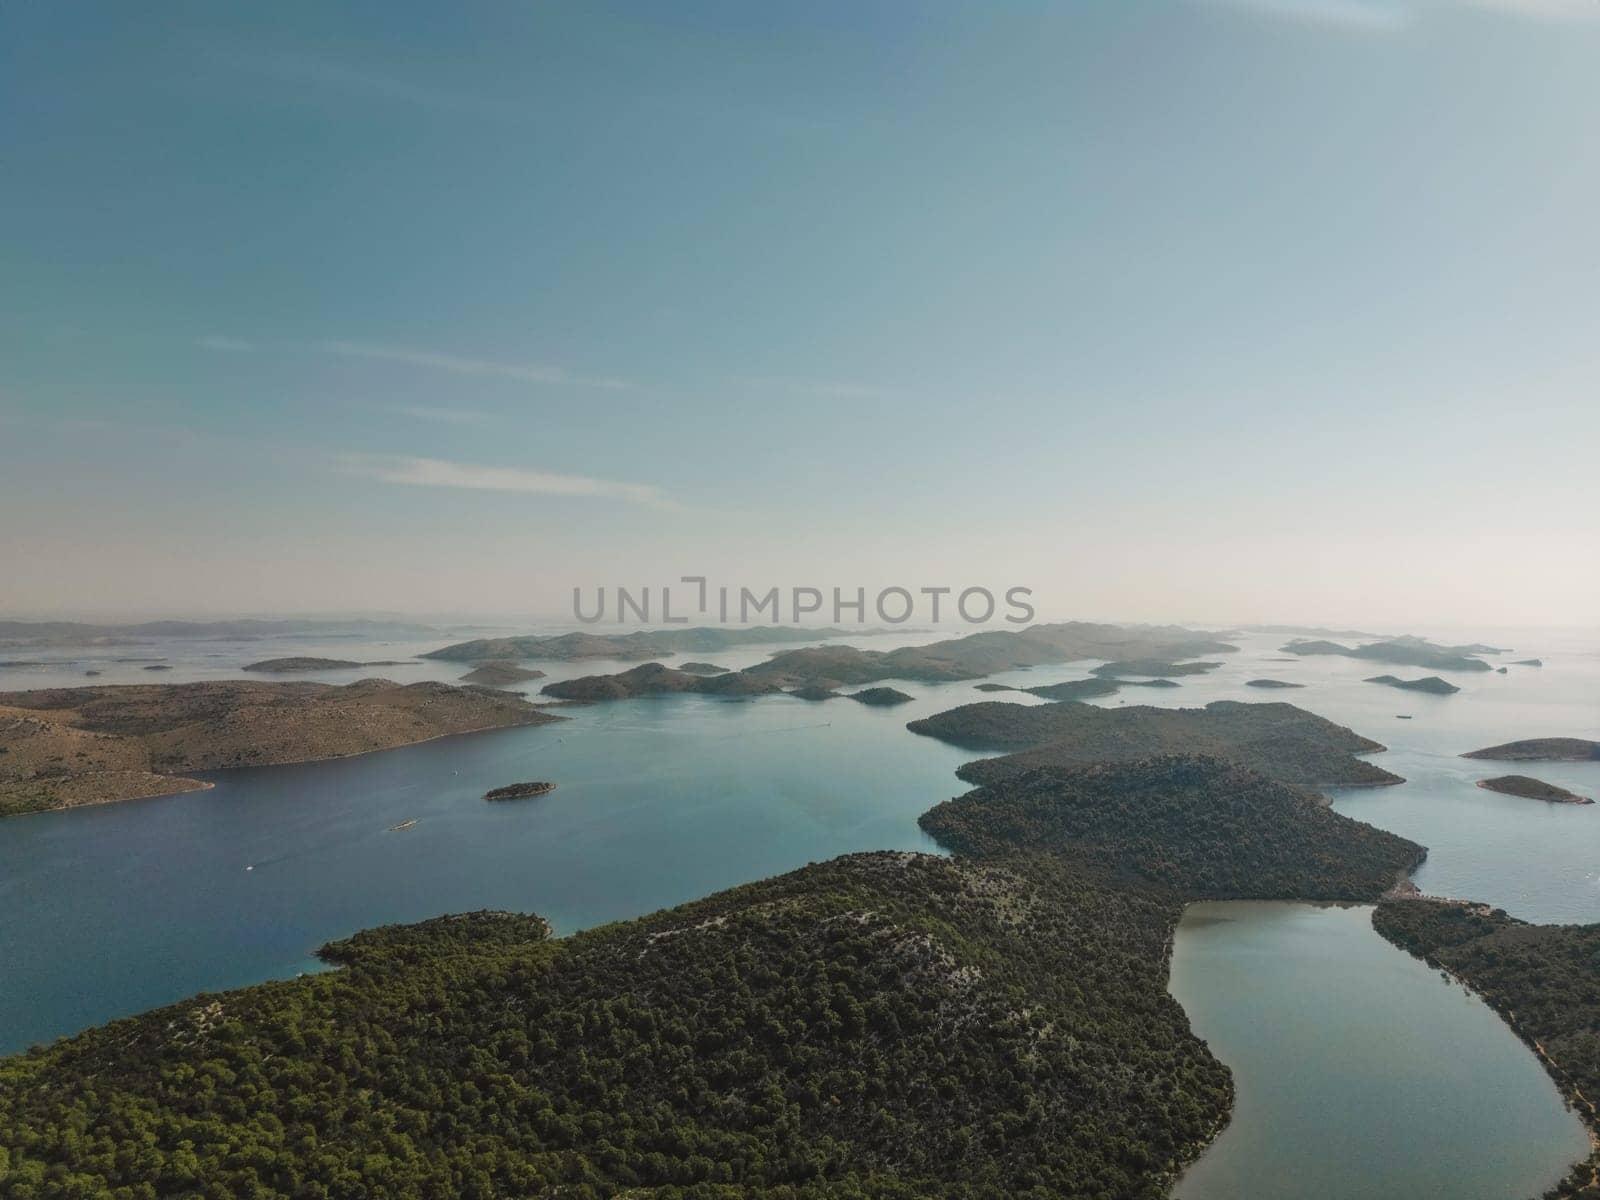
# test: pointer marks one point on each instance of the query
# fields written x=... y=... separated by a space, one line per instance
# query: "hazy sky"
x=1211 y=309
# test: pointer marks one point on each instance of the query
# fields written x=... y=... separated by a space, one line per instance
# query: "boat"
x=402 y=825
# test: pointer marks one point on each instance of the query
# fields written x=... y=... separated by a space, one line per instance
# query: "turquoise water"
x=112 y=910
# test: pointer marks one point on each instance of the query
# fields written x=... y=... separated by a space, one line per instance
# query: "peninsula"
x=1555 y=749
x=66 y=747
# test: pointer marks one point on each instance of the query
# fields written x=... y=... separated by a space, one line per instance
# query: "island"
x=1553 y=749
x=520 y=791
x=656 y=679
x=1431 y=684
x=995 y=687
x=1543 y=980
x=639 y=644
x=814 y=693
x=66 y=747
x=1402 y=651
x=880 y=697
x=500 y=674
x=1271 y=683
x=1152 y=667
x=1277 y=740
x=1532 y=789
x=287 y=666
x=1528 y=662
x=1075 y=689
x=702 y=668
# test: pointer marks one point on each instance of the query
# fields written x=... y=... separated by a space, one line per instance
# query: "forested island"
x=66 y=747
x=880 y=697
x=1532 y=789
x=1278 y=740
x=1271 y=683
x=520 y=791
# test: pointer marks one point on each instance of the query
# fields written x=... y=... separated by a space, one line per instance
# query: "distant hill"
x=1405 y=652
x=1555 y=749
x=1431 y=684
x=654 y=679
x=645 y=644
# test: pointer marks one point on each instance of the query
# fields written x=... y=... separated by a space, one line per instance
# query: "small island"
x=520 y=791
x=498 y=674
x=880 y=697
x=1431 y=684
x=812 y=692
x=995 y=687
x=1271 y=683
x=1532 y=789
x=1155 y=668
x=1555 y=749
x=702 y=668
x=1528 y=662
x=288 y=666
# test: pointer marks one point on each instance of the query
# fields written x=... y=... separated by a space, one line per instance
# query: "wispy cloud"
x=225 y=344
x=442 y=473
x=522 y=372
x=819 y=388
x=1348 y=16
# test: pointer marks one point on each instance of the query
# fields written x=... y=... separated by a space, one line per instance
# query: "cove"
x=1361 y=1073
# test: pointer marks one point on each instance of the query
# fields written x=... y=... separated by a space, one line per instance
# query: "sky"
x=1208 y=310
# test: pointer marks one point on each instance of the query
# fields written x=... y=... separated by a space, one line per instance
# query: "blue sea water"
x=111 y=910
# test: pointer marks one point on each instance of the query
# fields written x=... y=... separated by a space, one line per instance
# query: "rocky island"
x=1556 y=749
x=1532 y=789
x=1277 y=740
x=1430 y=684
x=520 y=791
x=89 y=745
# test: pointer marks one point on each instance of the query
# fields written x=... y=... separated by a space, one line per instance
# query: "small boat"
x=402 y=825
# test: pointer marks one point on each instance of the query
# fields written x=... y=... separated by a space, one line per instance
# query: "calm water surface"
x=112 y=910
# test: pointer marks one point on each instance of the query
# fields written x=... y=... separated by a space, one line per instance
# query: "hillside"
x=1200 y=827
x=883 y=1025
x=68 y=746
x=1278 y=740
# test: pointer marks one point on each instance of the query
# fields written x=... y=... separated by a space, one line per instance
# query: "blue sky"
x=1210 y=309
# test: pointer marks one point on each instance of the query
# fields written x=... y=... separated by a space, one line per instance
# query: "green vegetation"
x=1543 y=979
x=885 y=1025
x=1279 y=741
x=1199 y=827
x=880 y=697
